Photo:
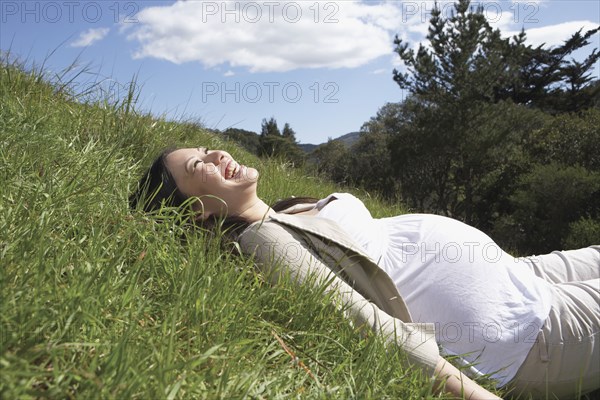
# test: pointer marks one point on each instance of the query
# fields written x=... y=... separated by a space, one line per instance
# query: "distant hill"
x=308 y=147
x=250 y=140
x=348 y=139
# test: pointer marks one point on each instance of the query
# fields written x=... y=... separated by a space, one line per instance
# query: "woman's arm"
x=280 y=252
x=449 y=379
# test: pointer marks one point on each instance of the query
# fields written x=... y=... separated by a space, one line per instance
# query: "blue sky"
x=325 y=67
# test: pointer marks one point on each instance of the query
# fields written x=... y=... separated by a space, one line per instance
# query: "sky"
x=324 y=67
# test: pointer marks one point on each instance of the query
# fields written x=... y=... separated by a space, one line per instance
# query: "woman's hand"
x=451 y=380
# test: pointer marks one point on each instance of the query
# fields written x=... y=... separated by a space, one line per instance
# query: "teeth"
x=231 y=170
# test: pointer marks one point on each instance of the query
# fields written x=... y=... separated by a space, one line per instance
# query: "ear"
x=208 y=206
x=202 y=216
x=200 y=213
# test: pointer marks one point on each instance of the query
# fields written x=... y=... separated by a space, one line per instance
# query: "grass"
x=99 y=303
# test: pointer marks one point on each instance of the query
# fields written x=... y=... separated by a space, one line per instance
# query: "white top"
x=488 y=306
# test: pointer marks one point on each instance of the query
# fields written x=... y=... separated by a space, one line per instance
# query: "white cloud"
x=287 y=35
x=380 y=71
x=553 y=35
x=268 y=36
x=90 y=36
x=229 y=73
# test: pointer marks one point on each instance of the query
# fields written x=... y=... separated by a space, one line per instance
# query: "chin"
x=250 y=174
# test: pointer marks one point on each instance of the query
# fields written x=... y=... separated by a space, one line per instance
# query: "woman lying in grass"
x=424 y=282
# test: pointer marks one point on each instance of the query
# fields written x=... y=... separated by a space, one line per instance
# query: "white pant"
x=565 y=360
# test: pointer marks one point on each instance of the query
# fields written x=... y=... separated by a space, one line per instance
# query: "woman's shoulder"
x=343 y=195
x=279 y=228
x=264 y=228
x=337 y=196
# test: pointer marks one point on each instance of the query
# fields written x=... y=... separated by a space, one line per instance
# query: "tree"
x=332 y=160
x=270 y=137
x=247 y=139
x=288 y=132
x=472 y=106
x=549 y=200
x=370 y=158
x=450 y=85
x=549 y=82
x=271 y=141
x=470 y=60
x=555 y=203
x=370 y=164
x=269 y=128
x=569 y=139
x=274 y=144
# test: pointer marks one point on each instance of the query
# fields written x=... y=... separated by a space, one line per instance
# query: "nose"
x=216 y=156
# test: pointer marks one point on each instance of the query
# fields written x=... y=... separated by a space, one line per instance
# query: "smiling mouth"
x=232 y=169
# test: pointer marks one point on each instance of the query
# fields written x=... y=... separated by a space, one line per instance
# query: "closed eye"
x=196 y=163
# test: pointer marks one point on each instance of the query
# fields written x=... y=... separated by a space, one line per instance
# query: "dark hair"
x=281 y=205
x=157 y=189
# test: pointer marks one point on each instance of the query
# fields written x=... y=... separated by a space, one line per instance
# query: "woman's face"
x=223 y=186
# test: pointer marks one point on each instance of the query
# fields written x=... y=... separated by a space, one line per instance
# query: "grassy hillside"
x=98 y=303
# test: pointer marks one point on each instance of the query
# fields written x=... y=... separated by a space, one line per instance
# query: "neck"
x=257 y=211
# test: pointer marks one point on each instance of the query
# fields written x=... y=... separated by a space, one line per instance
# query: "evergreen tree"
x=275 y=144
x=450 y=86
x=288 y=132
x=459 y=147
x=547 y=80
x=469 y=60
x=269 y=128
x=270 y=138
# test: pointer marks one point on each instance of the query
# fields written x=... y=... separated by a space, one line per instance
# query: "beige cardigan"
x=304 y=246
